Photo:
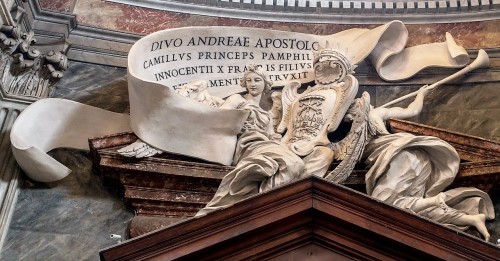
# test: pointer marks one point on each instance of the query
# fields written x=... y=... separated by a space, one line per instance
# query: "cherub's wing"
x=288 y=95
x=350 y=149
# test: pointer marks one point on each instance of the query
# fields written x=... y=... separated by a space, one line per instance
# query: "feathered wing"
x=350 y=149
x=346 y=90
x=288 y=95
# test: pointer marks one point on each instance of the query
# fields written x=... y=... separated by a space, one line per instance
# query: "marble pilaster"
x=9 y=171
x=5 y=17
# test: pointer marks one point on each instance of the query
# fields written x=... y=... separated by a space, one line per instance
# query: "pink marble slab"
x=143 y=21
x=57 y=5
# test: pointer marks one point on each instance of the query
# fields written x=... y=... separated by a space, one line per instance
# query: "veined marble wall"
x=142 y=21
x=72 y=219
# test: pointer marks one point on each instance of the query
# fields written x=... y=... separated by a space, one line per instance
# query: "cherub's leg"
x=423 y=203
x=403 y=183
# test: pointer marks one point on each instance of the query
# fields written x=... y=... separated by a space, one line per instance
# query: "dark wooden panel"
x=312 y=210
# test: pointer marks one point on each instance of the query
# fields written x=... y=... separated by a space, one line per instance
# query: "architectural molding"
x=87 y=44
x=107 y=47
x=339 y=12
x=27 y=74
x=5 y=17
x=9 y=170
x=470 y=148
x=308 y=212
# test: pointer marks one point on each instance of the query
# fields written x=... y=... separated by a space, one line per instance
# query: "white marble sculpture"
x=170 y=58
x=197 y=91
x=411 y=172
x=187 y=120
x=407 y=171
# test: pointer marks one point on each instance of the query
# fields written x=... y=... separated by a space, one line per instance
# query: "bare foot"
x=436 y=201
x=479 y=223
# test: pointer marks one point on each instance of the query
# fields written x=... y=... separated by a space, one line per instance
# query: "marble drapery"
x=405 y=168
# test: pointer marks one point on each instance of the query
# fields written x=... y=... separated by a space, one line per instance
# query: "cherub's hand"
x=427 y=88
x=139 y=149
x=424 y=90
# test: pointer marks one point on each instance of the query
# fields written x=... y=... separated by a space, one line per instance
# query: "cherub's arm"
x=378 y=116
x=270 y=130
x=412 y=110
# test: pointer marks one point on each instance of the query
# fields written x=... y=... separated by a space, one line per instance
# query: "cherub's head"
x=251 y=76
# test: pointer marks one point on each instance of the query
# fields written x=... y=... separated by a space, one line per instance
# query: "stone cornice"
x=102 y=46
x=340 y=12
x=88 y=44
x=307 y=211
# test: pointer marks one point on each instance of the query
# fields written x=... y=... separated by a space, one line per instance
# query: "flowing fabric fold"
x=263 y=164
x=380 y=151
x=177 y=124
x=436 y=166
x=394 y=65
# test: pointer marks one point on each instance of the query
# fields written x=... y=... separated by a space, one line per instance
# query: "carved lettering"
x=219 y=41
x=291 y=44
x=183 y=71
x=173 y=59
x=177 y=42
x=167 y=58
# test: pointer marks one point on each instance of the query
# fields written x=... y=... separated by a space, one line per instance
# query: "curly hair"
x=259 y=71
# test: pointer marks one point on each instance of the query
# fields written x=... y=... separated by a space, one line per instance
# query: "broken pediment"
x=311 y=218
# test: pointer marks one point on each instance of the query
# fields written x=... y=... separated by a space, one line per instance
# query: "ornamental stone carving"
x=25 y=70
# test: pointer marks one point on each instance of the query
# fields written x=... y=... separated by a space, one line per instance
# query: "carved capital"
x=24 y=70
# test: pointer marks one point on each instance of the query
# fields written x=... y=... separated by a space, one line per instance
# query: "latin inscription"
x=221 y=60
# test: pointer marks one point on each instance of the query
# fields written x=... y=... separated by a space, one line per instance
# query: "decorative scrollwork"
x=25 y=70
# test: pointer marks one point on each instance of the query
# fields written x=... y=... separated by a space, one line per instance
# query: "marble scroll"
x=53 y=123
x=167 y=59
